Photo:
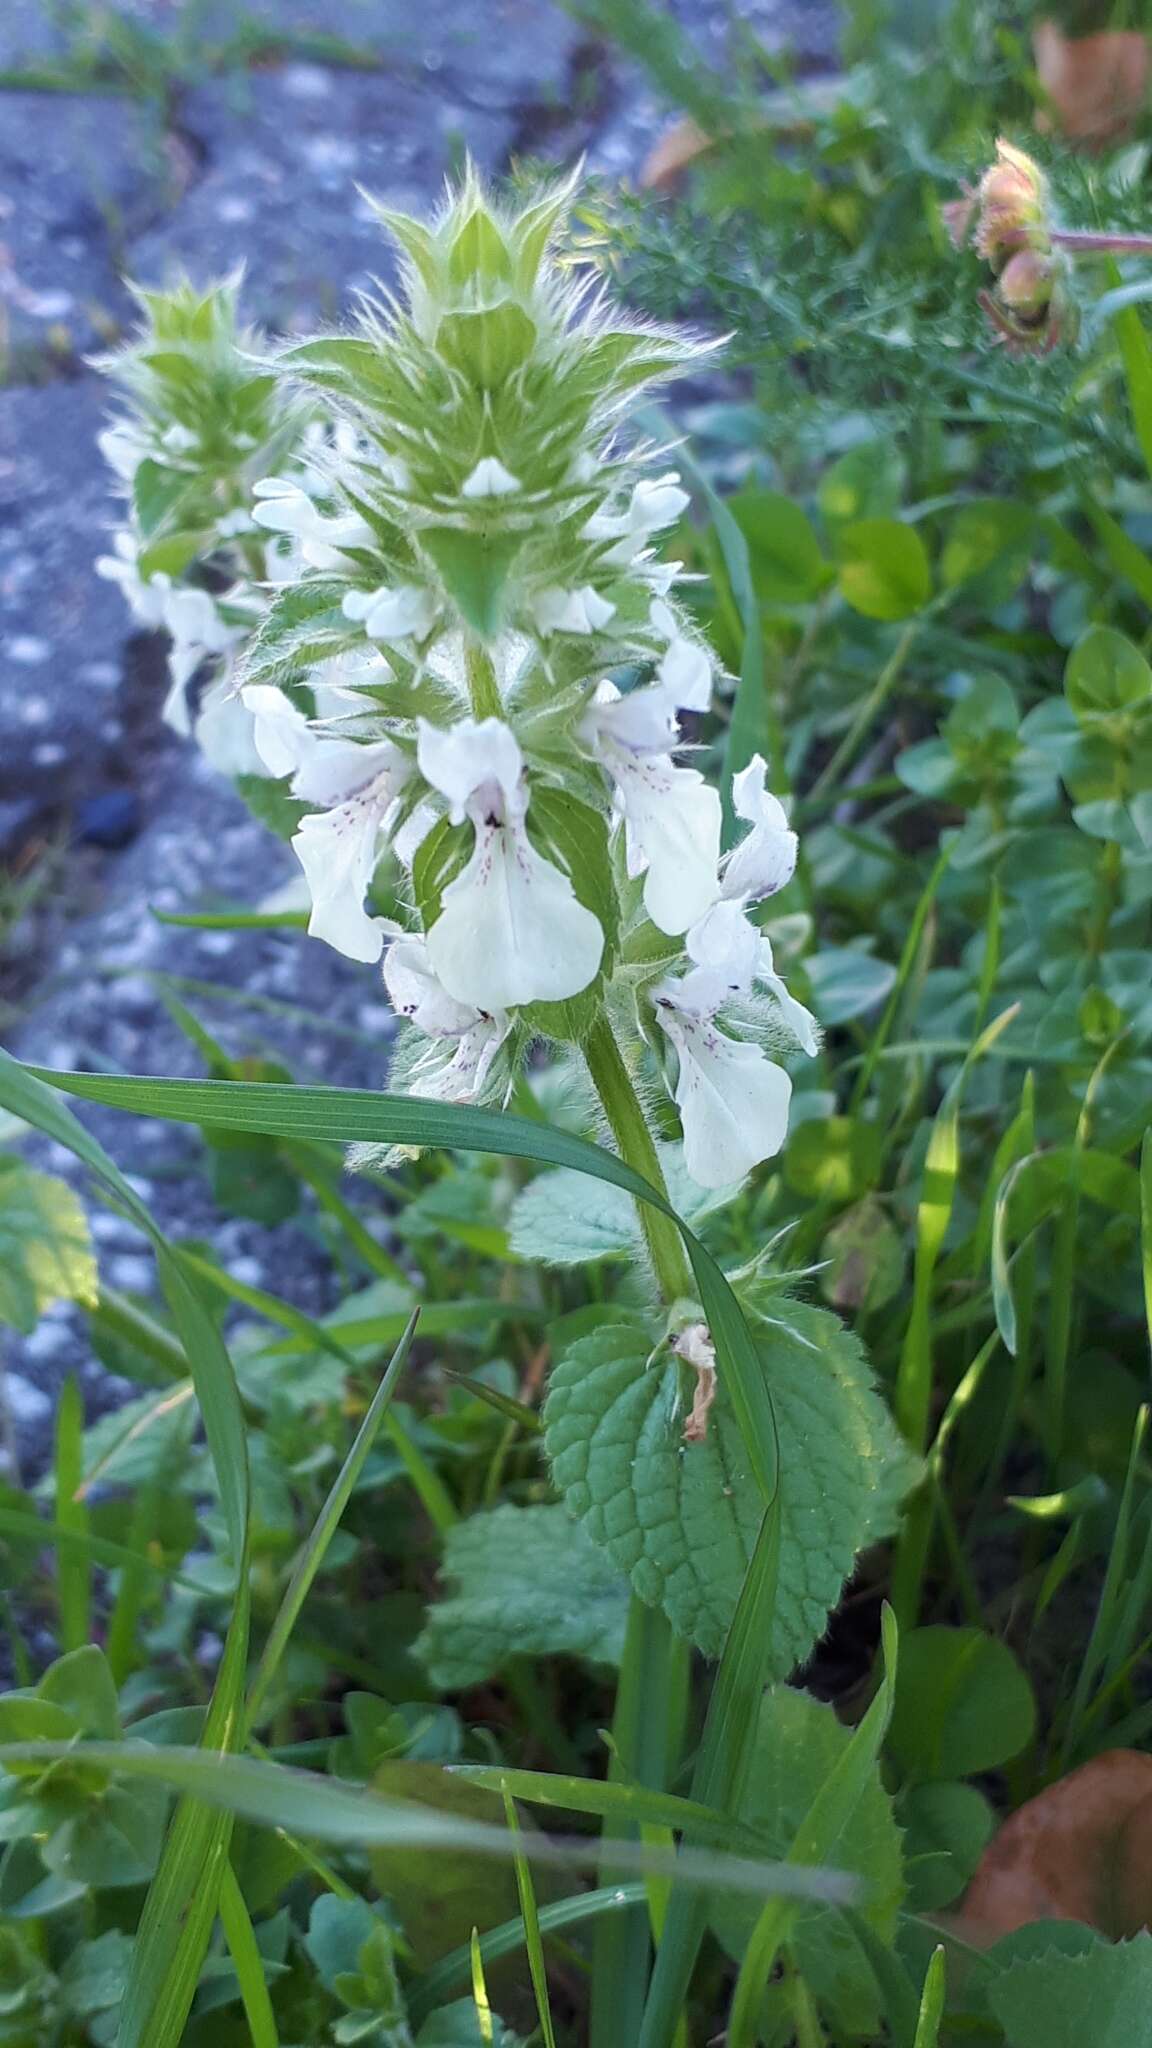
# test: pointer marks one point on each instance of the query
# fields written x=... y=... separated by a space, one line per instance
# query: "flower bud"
x=1013 y=207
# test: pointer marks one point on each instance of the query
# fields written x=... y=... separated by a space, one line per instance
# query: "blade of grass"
x=904 y=971
x=719 y=1776
x=505 y=1940
x=480 y=1992
x=311 y=1556
x=537 y=1967
x=819 y=1831
x=248 y=1963
x=305 y=1803
x=931 y=2003
x=350 y=1115
x=1103 y=1624
x=180 y=1906
x=73 y=1561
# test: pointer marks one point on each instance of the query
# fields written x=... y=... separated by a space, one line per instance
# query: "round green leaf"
x=963 y=1704
x=884 y=568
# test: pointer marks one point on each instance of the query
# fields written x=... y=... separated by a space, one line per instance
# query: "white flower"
x=800 y=1021
x=199 y=630
x=686 y=674
x=671 y=816
x=123 y=449
x=733 y=1100
x=145 y=598
x=224 y=730
x=511 y=928
x=489 y=479
x=657 y=503
x=285 y=507
x=389 y=614
x=465 y=1040
x=337 y=847
x=572 y=611
x=730 y=959
x=765 y=859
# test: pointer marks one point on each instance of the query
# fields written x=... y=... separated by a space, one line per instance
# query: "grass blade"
x=606 y=1902
x=719 y=1776
x=312 y=1555
x=537 y=1967
x=248 y=1963
x=73 y=1560
x=354 y=1115
x=826 y=1819
x=931 y=2003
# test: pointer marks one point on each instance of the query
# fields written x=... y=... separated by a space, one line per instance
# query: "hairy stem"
x=629 y=1125
x=483 y=689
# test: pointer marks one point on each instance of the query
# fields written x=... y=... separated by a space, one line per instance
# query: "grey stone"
x=57 y=617
x=78 y=174
x=278 y=190
x=498 y=54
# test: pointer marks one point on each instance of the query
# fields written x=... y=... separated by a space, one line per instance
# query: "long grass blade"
x=73 y=1560
x=248 y=1964
x=312 y=1555
x=537 y=1967
x=351 y=1116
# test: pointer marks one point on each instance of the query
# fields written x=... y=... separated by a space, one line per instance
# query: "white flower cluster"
x=471 y=656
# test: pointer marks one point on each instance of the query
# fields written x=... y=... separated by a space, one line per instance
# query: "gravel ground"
x=258 y=165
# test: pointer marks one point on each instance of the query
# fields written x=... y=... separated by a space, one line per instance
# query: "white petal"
x=460 y=1078
x=765 y=859
x=572 y=611
x=122 y=450
x=415 y=992
x=467 y=757
x=733 y=1101
x=392 y=614
x=800 y=1021
x=408 y=838
x=686 y=674
x=511 y=928
x=224 y=731
x=673 y=827
x=644 y=720
x=489 y=479
x=657 y=503
x=337 y=851
x=282 y=735
x=728 y=944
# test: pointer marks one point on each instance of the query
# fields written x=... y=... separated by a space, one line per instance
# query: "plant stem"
x=1087 y=243
x=885 y=683
x=483 y=689
x=629 y=1125
x=650 y=1701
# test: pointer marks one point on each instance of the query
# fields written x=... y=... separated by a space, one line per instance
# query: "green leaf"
x=82 y=1683
x=1106 y=675
x=439 y=1899
x=45 y=1250
x=525 y=1582
x=846 y=983
x=864 y=1258
x=990 y=542
x=866 y=483
x=458 y=2026
x=799 y=1741
x=787 y=564
x=1102 y=1997
x=474 y=569
x=564 y=1219
x=682 y=1519
x=947 y=1828
x=833 y=1158
x=884 y=569
x=963 y=1704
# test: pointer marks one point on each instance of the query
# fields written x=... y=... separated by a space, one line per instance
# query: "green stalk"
x=483 y=689
x=648 y=1720
x=629 y=1125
